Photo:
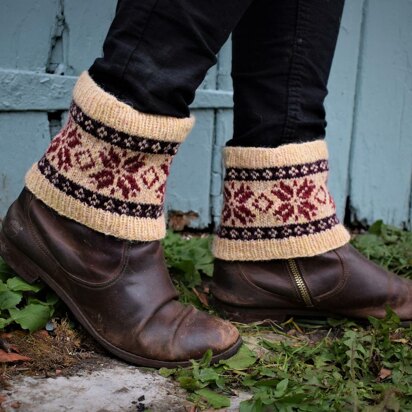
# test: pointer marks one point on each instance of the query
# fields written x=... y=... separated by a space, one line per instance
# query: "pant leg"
x=157 y=52
x=282 y=54
x=276 y=201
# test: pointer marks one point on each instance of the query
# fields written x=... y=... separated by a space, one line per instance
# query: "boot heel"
x=248 y=315
x=23 y=267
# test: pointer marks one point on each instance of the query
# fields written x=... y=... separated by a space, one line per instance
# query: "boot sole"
x=251 y=315
x=31 y=272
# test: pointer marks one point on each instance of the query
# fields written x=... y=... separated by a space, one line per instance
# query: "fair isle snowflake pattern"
x=276 y=204
x=107 y=170
x=265 y=200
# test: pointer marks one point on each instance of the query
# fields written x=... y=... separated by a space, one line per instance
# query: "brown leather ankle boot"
x=119 y=290
x=281 y=250
x=340 y=282
x=89 y=225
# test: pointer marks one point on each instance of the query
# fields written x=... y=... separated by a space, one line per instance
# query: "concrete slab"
x=115 y=388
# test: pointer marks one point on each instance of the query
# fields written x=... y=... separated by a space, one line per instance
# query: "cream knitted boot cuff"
x=107 y=168
x=277 y=204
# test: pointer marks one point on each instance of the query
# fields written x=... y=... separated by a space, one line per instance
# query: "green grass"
x=331 y=365
x=339 y=368
x=335 y=365
x=388 y=246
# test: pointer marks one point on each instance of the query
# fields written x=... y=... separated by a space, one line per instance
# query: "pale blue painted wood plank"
x=80 y=17
x=88 y=23
x=224 y=131
x=23 y=139
x=26 y=28
x=209 y=82
x=26 y=90
x=224 y=67
x=409 y=225
x=188 y=187
x=382 y=143
x=341 y=100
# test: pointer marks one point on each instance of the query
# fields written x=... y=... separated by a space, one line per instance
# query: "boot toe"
x=188 y=335
x=201 y=331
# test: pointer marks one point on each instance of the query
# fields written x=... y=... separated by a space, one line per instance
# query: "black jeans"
x=157 y=53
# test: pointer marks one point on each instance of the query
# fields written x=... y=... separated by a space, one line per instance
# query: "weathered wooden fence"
x=45 y=44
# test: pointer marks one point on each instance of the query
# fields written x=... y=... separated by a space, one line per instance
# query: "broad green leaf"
x=31 y=317
x=216 y=400
x=9 y=299
x=165 y=372
x=17 y=284
x=242 y=360
x=208 y=374
x=3 y=287
x=5 y=322
x=281 y=388
x=251 y=405
x=189 y=383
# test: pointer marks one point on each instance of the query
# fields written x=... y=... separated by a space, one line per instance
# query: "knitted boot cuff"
x=277 y=204
x=107 y=168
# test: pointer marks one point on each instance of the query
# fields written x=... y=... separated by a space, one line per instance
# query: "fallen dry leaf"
x=15 y=405
x=402 y=340
x=202 y=297
x=7 y=357
x=383 y=374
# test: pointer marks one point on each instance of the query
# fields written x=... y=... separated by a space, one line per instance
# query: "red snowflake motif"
x=165 y=168
x=61 y=146
x=322 y=195
x=295 y=200
x=235 y=208
x=154 y=178
x=84 y=159
x=262 y=203
x=119 y=172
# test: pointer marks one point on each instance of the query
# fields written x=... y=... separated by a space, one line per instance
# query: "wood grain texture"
x=341 y=100
x=381 y=166
x=26 y=90
x=87 y=24
x=188 y=186
x=45 y=44
x=223 y=131
x=23 y=139
x=26 y=32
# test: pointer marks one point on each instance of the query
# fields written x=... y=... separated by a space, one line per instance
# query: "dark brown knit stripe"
x=277 y=173
x=96 y=200
x=123 y=140
x=278 y=233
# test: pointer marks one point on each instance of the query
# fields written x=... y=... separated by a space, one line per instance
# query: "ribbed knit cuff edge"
x=108 y=223
x=286 y=155
x=107 y=109
x=304 y=246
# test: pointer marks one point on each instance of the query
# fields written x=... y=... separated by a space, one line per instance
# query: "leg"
x=91 y=217
x=278 y=222
x=281 y=69
x=158 y=51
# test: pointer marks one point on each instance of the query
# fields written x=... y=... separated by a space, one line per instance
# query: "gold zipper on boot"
x=300 y=283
